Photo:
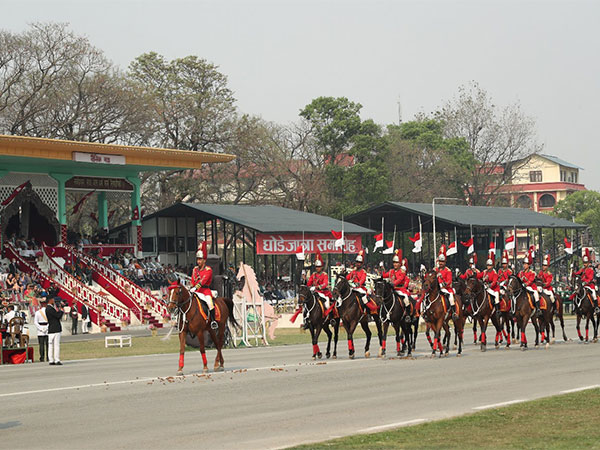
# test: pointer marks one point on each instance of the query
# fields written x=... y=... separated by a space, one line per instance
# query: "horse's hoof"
x=547 y=346
x=205 y=370
x=595 y=340
x=219 y=369
x=327 y=355
x=367 y=354
x=497 y=346
x=319 y=355
x=458 y=355
x=523 y=348
x=351 y=356
x=483 y=348
x=553 y=341
x=314 y=357
x=334 y=356
x=536 y=346
x=380 y=354
x=179 y=373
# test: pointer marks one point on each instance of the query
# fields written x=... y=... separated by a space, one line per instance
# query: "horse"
x=352 y=312
x=314 y=317
x=459 y=288
x=393 y=311
x=482 y=307
x=584 y=307
x=435 y=314
x=191 y=319
x=557 y=311
x=523 y=309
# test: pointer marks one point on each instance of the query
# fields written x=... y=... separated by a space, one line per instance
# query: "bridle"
x=176 y=287
x=388 y=311
x=426 y=302
x=337 y=290
x=307 y=310
x=472 y=295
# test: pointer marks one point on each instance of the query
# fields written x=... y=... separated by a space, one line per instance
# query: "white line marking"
x=497 y=405
x=584 y=388
x=393 y=425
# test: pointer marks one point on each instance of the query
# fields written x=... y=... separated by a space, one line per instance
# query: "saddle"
x=543 y=301
x=203 y=307
x=505 y=305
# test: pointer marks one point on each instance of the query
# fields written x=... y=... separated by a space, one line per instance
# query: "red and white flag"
x=300 y=252
x=378 y=241
x=532 y=251
x=568 y=247
x=418 y=241
x=470 y=245
x=80 y=203
x=389 y=250
x=492 y=248
x=509 y=243
x=339 y=236
x=14 y=193
x=452 y=250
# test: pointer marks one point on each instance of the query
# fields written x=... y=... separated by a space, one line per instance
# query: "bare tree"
x=500 y=139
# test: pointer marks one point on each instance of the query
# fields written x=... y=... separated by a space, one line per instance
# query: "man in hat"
x=41 y=323
x=54 y=315
x=527 y=277
x=201 y=281
x=490 y=280
x=546 y=276
x=444 y=276
x=587 y=277
x=319 y=281
x=398 y=278
x=472 y=270
x=504 y=272
x=358 y=278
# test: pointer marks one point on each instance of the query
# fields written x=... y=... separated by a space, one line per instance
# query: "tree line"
x=56 y=84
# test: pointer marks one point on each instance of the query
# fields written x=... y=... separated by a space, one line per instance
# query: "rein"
x=388 y=311
x=180 y=313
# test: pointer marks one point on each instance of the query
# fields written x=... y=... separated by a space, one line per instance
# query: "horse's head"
x=473 y=288
x=304 y=293
x=513 y=285
x=430 y=281
x=577 y=283
x=178 y=293
x=382 y=287
x=341 y=286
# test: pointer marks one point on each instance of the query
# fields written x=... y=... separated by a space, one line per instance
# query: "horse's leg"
x=577 y=327
x=377 y=320
x=181 y=351
x=522 y=326
x=386 y=325
x=428 y=327
x=536 y=327
x=461 y=333
x=562 y=323
x=336 y=331
x=218 y=338
x=587 y=328
x=202 y=350
x=474 y=330
x=329 y=334
x=447 y=337
x=317 y=333
x=313 y=341
x=349 y=330
x=415 y=325
x=595 y=325
x=365 y=326
x=405 y=331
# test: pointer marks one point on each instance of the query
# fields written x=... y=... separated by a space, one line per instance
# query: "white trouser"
x=549 y=293
x=206 y=298
x=404 y=297
x=53 y=347
x=593 y=291
x=326 y=301
x=450 y=296
x=363 y=294
x=494 y=294
x=84 y=326
x=535 y=293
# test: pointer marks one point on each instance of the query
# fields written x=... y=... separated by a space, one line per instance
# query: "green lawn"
x=562 y=422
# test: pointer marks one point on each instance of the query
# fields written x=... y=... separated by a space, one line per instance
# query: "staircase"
x=143 y=304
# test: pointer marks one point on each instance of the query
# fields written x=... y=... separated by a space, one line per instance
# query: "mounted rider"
x=504 y=273
x=398 y=278
x=319 y=282
x=358 y=278
x=587 y=277
x=546 y=277
x=444 y=276
x=527 y=277
x=490 y=279
x=472 y=270
x=201 y=281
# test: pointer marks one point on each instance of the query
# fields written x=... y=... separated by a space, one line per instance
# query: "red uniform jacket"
x=503 y=275
x=398 y=279
x=358 y=276
x=445 y=279
x=546 y=277
x=468 y=273
x=491 y=277
x=528 y=278
x=320 y=282
x=202 y=279
x=587 y=276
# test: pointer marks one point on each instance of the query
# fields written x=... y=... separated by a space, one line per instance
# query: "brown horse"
x=352 y=312
x=314 y=317
x=483 y=309
x=584 y=307
x=191 y=319
x=437 y=314
x=523 y=310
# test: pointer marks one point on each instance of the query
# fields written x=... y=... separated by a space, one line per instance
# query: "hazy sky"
x=279 y=55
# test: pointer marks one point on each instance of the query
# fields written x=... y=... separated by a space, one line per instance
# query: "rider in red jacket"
x=472 y=271
x=319 y=281
x=527 y=277
x=490 y=279
x=358 y=278
x=201 y=281
x=445 y=281
x=504 y=272
x=587 y=277
x=398 y=278
x=546 y=277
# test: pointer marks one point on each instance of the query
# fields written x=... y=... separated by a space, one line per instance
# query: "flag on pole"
x=418 y=241
x=389 y=250
x=532 y=251
x=378 y=241
x=80 y=203
x=14 y=193
x=493 y=247
x=339 y=236
x=568 y=247
x=470 y=246
x=300 y=252
x=452 y=250
x=509 y=243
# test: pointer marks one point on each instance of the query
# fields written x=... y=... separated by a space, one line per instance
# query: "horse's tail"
x=229 y=303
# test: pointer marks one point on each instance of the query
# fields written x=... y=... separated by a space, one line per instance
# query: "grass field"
x=562 y=422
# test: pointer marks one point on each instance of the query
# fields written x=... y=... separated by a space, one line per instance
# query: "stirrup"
x=597 y=310
x=214 y=325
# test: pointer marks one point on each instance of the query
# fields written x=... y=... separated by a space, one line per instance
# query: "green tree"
x=584 y=206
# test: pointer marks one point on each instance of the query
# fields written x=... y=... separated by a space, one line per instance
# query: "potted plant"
x=166 y=317
x=153 y=329
x=103 y=327
x=148 y=305
x=125 y=321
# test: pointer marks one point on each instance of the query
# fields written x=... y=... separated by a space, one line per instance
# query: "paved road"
x=269 y=397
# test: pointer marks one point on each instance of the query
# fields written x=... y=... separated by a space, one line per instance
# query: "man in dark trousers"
x=13 y=267
x=74 y=316
x=85 y=318
x=41 y=323
x=54 y=314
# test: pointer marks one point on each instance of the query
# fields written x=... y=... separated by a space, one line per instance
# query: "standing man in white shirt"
x=54 y=314
x=41 y=323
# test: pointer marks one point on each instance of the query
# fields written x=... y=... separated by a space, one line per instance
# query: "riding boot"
x=213 y=323
x=538 y=309
x=455 y=312
x=498 y=312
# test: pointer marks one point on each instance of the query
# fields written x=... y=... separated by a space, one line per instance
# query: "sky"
x=279 y=55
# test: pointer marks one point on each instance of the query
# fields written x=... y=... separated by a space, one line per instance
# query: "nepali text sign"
x=99 y=184
x=286 y=244
x=98 y=158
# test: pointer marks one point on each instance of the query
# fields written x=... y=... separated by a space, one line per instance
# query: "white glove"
x=381 y=264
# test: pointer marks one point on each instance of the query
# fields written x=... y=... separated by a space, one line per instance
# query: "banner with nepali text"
x=287 y=243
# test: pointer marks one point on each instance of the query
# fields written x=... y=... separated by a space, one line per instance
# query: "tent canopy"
x=447 y=217
x=261 y=218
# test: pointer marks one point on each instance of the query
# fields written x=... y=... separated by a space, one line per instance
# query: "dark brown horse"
x=393 y=311
x=190 y=319
x=583 y=304
x=314 y=317
x=482 y=309
x=437 y=314
x=352 y=312
x=523 y=308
